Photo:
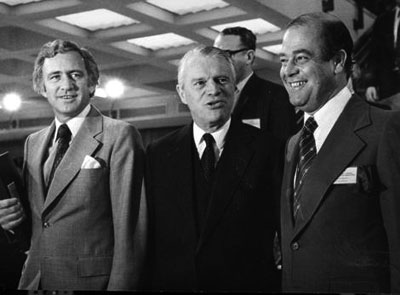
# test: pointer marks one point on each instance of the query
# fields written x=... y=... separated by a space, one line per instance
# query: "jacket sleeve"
x=389 y=172
x=129 y=210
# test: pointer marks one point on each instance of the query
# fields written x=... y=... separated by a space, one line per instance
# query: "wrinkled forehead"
x=198 y=63
x=301 y=38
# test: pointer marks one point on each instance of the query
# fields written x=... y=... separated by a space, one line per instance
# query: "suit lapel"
x=83 y=144
x=288 y=175
x=39 y=145
x=181 y=163
x=339 y=149
x=238 y=152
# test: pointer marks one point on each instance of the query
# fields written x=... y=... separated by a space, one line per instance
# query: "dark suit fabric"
x=382 y=57
x=233 y=249
x=349 y=240
x=83 y=228
x=269 y=102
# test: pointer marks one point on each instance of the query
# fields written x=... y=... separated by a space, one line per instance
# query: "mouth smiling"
x=297 y=84
x=67 y=97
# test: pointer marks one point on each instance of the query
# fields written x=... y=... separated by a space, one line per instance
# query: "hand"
x=371 y=94
x=11 y=213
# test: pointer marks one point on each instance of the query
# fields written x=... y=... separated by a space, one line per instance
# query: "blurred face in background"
x=242 y=57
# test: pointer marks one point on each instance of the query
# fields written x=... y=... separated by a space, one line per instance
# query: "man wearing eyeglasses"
x=258 y=102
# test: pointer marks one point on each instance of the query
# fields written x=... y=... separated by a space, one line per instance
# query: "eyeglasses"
x=233 y=52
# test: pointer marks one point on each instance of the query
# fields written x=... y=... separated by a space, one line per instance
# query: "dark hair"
x=247 y=37
x=206 y=51
x=55 y=47
x=333 y=34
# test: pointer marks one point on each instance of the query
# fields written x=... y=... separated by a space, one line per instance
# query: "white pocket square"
x=90 y=163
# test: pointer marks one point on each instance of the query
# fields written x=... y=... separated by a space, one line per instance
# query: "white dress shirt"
x=219 y=137
x=327 y=116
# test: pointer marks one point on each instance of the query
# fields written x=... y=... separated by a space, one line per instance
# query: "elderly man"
x=83 y=180
x=211 y=190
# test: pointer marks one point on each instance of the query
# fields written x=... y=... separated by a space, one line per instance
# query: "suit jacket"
x=268 y=102
x=382 y=56
x=233 y=251
x=349 y=239
x=87 y=229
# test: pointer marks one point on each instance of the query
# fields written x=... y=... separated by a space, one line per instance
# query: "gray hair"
x=205 y=51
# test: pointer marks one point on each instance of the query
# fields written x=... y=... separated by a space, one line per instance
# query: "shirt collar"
x=219 y=135
x=73 y=124
x=332 y=109
x=327 y=116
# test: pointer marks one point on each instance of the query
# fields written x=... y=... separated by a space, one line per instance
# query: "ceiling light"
x=188 y=6
x=12 y=102
x=162 y=41
x=258 y=26
x=114 y=88
x=276 y=49
x=97 y=19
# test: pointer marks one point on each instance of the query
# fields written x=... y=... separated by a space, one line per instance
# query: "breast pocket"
x=91 y=183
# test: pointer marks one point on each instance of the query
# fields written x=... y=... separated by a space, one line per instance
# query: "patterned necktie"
x=307 y=152
x=208 y=157
x=63 y=139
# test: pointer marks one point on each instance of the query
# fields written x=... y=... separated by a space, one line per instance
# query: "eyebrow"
x=68 y=72
x=298 y=51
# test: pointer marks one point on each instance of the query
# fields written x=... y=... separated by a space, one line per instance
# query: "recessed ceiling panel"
x=17 y=2
x=258 y=26
x=161 y=41
x=97 y=19
x=273 y=48
x=188 y=6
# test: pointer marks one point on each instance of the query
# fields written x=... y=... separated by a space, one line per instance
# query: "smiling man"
x=212 y=187
x=83 y=206
x=340 y=205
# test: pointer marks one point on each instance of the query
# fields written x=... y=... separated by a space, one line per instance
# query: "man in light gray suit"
x=86 y=216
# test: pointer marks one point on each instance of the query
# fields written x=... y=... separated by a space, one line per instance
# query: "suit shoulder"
x=167 y=141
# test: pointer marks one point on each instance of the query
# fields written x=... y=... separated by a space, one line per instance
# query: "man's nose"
x=67 y=83
x=213 y=87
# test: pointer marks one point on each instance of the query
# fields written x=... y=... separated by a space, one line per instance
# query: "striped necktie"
x=307 y=153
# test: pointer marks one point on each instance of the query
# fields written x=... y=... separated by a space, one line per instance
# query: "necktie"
x=208 y=157
x=307 y=152
x=63 y=139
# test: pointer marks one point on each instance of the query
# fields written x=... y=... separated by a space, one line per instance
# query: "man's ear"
x=181 y=93
x=339 y=61
x=43 y=91
x=250 y=55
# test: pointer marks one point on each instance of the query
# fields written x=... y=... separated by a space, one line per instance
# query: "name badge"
x=253 y=122
x=349 y=176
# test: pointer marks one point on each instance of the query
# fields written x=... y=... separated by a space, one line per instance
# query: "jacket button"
x=295 y=246
x=46 y=224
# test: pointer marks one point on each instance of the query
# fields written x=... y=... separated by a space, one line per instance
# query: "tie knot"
x=310 y=125
x=63 y=132
x=209 y=139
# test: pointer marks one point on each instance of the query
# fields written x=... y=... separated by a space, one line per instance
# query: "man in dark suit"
x=384 y=62
x=86 y=215
x=340 y=206
x=258 y=102
x=212 y=222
